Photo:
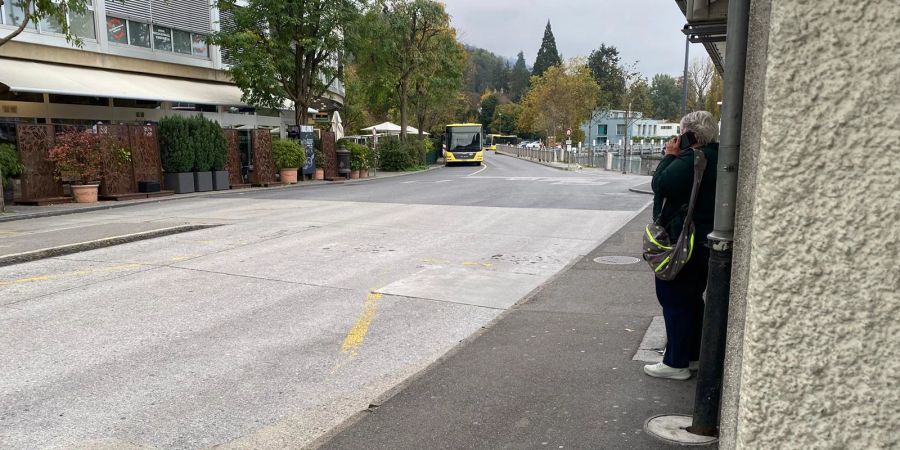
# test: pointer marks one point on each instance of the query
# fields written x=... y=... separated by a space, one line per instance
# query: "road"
x=302 y=307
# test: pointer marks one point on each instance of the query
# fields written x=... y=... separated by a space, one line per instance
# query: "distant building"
x=608 y=127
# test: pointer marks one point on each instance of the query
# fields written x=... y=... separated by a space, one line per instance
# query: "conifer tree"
x=519 y=78
x=547 y=56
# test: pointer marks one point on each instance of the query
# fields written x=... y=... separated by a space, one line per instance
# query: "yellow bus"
x=499 y=139
x=464 y=144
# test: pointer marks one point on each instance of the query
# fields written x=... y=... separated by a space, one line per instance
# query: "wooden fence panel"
x=263 y=164
x=33 y=143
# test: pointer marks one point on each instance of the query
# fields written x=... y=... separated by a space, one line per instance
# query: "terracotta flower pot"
x=363 y=173
x=85 y=193
x=320 y=174
x=289 y=176
x=354 y=174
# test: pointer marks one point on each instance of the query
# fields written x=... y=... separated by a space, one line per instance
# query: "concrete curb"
x=68 y=249
x=115 y=205
x=640 y=191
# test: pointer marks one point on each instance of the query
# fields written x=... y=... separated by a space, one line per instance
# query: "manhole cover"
x=618 y=260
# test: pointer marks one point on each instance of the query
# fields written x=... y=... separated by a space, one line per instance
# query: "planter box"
x=180 y=182
x=203 y=181
x=220 y=180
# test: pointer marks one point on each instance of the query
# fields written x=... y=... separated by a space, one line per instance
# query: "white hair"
x=702 y=124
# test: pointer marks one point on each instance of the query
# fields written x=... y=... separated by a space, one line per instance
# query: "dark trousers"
x=682 y=304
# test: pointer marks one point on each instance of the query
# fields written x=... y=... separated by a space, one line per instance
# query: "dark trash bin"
x=343 y=162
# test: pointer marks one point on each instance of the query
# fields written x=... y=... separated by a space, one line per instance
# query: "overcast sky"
x=646 y=31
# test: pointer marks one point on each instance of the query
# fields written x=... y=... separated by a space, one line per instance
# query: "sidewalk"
x=21 y=212
x=554 y=372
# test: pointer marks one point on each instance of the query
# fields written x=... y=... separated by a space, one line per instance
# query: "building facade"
x=609 y=128
x=140 y=61
x=813 y=328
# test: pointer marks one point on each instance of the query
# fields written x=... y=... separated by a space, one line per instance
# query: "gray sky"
x=646 y=31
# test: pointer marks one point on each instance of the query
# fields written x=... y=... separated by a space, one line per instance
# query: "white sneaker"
x=661 y=370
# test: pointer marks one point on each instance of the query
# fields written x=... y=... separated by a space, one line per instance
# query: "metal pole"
x=721 y=240
x=684 y=79
x=625 y=144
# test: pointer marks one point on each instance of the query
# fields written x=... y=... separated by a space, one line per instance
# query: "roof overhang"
x=706 y=24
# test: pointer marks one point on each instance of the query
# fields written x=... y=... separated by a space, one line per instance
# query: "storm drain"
x=617 y=260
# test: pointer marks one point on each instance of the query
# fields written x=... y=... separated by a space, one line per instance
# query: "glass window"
x=78 y=100
x=162 y=38
x=182 y=42
x=14 y=13
x=620 y=128
x=601 y=129
x=199 y=45
x=138 y=34
x=50 y=25
x=83 y=24
x=116 y=31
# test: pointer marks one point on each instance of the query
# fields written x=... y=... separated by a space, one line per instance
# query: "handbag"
x=665 y=258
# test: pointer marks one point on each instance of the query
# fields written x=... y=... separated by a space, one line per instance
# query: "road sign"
x=568 y=131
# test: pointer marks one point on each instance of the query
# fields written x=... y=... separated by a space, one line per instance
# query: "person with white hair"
x=682 y=297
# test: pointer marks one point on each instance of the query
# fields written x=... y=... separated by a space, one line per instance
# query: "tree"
x=564 y=97
x=24 y=12
x=700 y=76
x=607 y=71
x=488 y=105
x=666 y=97
x=285 y=49
x=437 y=85
x=519 y=78
x=394 y=43
x=506 y=118
x=547 y=56
x=486 y=71
x=638 y=97
x=716 y=94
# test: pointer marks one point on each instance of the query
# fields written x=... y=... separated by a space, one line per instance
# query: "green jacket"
x=673 y=179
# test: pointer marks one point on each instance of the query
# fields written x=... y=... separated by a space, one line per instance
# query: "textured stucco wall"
x=820 y=366
x=751 y=134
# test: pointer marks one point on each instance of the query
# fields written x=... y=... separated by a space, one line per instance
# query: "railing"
x=641 y=158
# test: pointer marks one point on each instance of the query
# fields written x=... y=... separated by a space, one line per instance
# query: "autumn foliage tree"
x=564 y=97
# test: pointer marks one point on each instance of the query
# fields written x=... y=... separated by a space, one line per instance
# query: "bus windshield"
x=465 y=140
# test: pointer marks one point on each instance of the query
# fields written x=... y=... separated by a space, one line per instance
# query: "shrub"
x=288 y=154
x=358 y=155
x=80 y=155
x=176 y=145
x=210 y=144
x=319 y=154
x=393 y=155
x=10 y=166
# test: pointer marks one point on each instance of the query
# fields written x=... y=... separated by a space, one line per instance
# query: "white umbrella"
x=336 y=126
x=391 y=128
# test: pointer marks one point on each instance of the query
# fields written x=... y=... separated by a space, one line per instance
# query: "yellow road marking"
x=4 y=233
x=185 y=258
x=357 y=334
x=478 y=264
x=79 y=273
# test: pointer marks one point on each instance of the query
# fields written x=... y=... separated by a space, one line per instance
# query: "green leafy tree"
x=547 y=56
x=394 y=43
x=438 y=82
x=609 y=74
x=564 y=97
x=519 y=78
x=666 y=97
x=638 y=97
x=25 y=12
x=715 y=95
x=176 y=144
x=488 y=105
x=486 y=71
x=285 y=49
x=506 y=118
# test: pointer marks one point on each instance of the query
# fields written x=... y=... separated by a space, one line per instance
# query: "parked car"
x=535 y=144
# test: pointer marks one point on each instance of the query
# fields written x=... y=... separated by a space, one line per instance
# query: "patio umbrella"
x=337 y=126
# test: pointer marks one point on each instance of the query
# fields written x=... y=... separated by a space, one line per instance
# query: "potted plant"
x=288 y=156
x=211 y=143
x=79 y=156
x=357 y=158
x=176 y=153
x=10 y=167
x=319 y=160
x=203 y=153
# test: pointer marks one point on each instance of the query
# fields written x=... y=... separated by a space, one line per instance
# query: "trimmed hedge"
x=176 y=145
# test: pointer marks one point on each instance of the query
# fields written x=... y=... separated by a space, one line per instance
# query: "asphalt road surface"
x=293 y=315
